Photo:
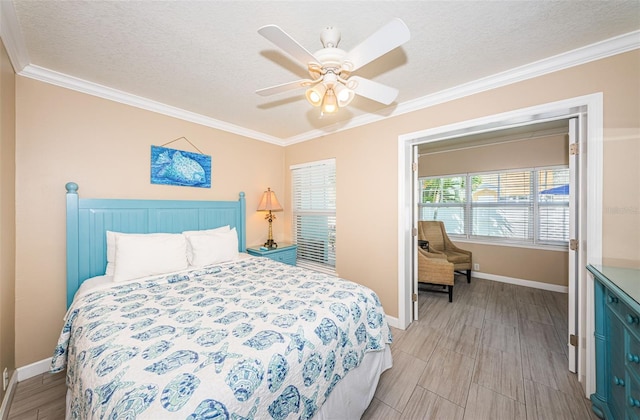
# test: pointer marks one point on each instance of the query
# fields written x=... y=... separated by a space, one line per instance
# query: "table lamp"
x=269 y=203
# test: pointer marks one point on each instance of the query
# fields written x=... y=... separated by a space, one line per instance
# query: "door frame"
x=589 y=106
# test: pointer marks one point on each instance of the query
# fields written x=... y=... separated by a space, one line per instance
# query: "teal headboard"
x=89 y=219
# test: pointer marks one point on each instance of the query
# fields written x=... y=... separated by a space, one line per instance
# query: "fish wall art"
x=177 y=167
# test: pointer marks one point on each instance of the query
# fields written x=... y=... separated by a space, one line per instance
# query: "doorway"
x=588 y=111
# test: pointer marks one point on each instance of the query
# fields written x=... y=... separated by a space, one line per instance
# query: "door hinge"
x=414 y=297
x=573 y=149
x=573 y=244
x=414 y=166
x=573 y=340
x=414 y=232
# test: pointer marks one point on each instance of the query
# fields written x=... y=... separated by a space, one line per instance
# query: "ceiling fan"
x=331 y=84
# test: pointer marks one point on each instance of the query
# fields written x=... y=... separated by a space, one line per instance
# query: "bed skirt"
x=351 y=396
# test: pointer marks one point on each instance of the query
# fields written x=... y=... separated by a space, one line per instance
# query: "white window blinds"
x=502 y=206
x=313 y=187
x=553 y=206
x=527 y=206
x=444 y=199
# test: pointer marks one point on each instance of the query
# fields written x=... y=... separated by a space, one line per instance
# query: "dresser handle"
x=633 y=358
x=633 y=402
x=612 y=299
x=631 y=319
x=618 y=381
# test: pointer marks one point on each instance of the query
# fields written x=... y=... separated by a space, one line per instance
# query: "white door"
x=582 y=215
x=414 y=242
x=574 y=240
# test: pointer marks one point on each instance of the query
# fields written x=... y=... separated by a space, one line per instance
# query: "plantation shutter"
x=553 y=206
x=313 y=187
x=502 y=206
x=520 y=206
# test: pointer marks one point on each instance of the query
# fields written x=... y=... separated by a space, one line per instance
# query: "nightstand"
x=285 y=253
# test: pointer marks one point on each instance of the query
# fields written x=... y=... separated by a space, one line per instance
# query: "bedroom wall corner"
x=7 y=215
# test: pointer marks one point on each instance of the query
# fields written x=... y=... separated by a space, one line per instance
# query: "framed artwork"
x=177 y=167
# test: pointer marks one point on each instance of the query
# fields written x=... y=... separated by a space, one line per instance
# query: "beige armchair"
x=433 y=268
x=439 y=242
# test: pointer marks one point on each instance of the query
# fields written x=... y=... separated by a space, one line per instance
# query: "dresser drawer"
x=632 y=401
x=616 y=369
x=629 y=317
x=632 y=355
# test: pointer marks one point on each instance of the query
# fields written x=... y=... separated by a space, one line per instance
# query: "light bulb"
x=344 y=94
x=314 y=97
x=315 y=94
x=329 y=103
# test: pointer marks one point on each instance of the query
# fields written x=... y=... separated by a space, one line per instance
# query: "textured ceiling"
x=207 y=58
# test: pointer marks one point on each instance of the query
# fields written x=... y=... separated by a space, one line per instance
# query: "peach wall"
x=7 y=213
x=542 y=151
x=545 y=266
x=367 y=156
x=104 y=146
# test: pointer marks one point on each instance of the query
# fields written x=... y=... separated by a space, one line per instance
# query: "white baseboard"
x=8 y=397
x=521 y=282
x=20 y=374
x=393 y=321
x=34 y=369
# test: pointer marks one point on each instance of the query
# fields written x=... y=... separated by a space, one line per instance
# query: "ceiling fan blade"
x=385 y=39
x=372 y=90
x=285 y=87
x=289 y=45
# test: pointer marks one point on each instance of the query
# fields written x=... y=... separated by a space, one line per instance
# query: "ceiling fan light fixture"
x=330 y=68
x=329 y=103
x=343 y=94
x=315 y=94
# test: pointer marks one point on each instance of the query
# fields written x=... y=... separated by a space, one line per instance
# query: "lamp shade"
x=269 y=202
x=329 y=102
x=343 y=94
x=315 y=94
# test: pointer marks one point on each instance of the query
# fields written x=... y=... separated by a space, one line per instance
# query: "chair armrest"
x=432 y=253
x=434 y=268
x=448 y=244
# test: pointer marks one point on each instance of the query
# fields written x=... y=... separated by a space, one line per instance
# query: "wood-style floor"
x=496 y=352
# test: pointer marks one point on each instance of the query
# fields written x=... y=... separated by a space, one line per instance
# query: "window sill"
x=563 y=248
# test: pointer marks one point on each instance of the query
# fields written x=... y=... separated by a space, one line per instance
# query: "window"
x=313 y=187
x=529 y=206
x=444 y=199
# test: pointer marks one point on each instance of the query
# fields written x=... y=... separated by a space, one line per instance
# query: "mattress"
x=253 y=338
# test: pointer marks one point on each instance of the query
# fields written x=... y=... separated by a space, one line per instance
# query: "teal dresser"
x=285 y=253
x=617 y=340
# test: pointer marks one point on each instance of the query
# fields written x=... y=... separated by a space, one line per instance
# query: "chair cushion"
x=457 y=257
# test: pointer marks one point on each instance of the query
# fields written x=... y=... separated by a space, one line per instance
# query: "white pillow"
x=111 y=248
x=144 y=255
x=226 y=228
x=111 y=244
x=190 y=233
x=213 y=248
x=111 y=252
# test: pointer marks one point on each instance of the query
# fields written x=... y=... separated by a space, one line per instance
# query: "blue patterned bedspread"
x=253 y=339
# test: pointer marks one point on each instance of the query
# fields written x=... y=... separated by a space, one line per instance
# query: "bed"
x=224 y=336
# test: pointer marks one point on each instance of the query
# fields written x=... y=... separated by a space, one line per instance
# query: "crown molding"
x=80 y=85
x=589 y=53
x=16 y=48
